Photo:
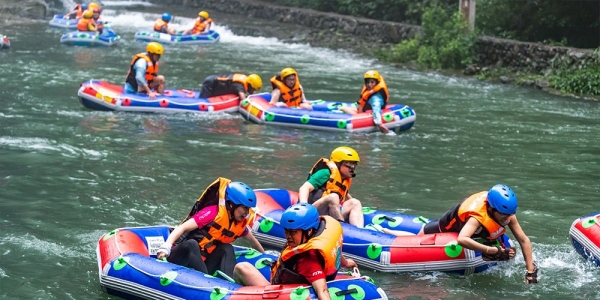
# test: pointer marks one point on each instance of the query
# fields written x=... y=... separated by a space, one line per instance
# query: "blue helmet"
x=84 y=6
x=503 y=199
x=166 y=17
x=240 y=193
x=300 y=216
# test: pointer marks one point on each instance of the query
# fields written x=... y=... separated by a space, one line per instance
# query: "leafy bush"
x=581 y=81
x=406 y=51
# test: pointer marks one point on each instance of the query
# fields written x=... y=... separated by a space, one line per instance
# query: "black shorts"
x=432 y=227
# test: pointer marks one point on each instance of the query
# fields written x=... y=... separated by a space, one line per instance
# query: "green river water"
x=69 y=174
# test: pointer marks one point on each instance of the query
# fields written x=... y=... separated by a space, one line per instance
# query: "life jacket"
x=151 y=70
x=474 y=206
x=86 y=25
x=221 y=229
x=292 y=97
x=235 y=77
x=79 y=10
x=327 y=241
x=160 y=25
x=335 y=184
x=200 y=26
x=365 y=94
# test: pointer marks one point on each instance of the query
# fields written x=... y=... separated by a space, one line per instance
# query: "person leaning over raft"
x=485 y=215
x=162 y=24
x=142 y=76
x=202 y=25
x=373 y=97
x=220 y=216
x=312 y=254
x=287 y=90
x=235 y=83
x=77 y=11
x=328 y=186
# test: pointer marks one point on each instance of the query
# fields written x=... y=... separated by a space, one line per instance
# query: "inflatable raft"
x=164 y=38
x=101 y=95
x=59 y=21
x=89 y=38
x=4 y=42
x=377 y=250
x=585 y=237
x=128 y=268
x=324 y=116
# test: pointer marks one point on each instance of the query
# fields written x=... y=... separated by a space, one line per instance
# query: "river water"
x=68 y=174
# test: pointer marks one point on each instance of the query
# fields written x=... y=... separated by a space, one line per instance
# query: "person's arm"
x=524 y=242
x=303 y=96
x=376 y=102
x=275 y=96
x=304 y=191
x=165 y=249
x=320 y=287
x=254 y=243
x=465 y=240
x=348 y=262
x=140 y=77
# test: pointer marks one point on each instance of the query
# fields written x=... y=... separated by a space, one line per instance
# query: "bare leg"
x=246 y=274
x=353 y=212
x=158 y=84
x=329 y=205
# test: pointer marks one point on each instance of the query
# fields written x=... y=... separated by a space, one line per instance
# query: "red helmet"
x=97 y=10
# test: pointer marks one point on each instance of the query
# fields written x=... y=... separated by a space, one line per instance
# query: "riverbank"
x=22 y=11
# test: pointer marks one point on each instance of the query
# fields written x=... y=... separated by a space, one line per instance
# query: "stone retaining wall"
x=490 y=51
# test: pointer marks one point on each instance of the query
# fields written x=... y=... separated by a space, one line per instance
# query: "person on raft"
x=87 y=23
x=202 y=24
x=287 y=90
x=142 y=76
x=76 y=12
x=235 y=83
x=373 y=97
x=162 y=24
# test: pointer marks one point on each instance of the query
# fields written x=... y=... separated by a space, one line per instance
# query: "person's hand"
x=280 y=104
x=152 y=95
x=350 y=263
x=164 y=250
x=383 y=129
x=531 y=277
x=498 y=253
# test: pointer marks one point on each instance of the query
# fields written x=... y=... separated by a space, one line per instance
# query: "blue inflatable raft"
x=378 y=250
x=128 y=268
x=190 y=39
x=325 y=115
x=90 y=39
x=59 y=21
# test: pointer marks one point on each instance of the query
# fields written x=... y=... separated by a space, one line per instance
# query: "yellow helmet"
x=155 y=48
x=88 y=14
x=372 y=74
x=287 y=72
x=203 y=14
x=93 y=5
x=254 y=81
x=344 y=153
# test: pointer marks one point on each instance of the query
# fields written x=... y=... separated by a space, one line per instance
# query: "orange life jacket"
x=474 y=206
x=335 y=184
x=200 y=26
x=327 y=241
x=99 y=26
x=86 y=25
x=151 y=70
x=221 y=229
x=79 y=10
x=365 y=94
x=235 y=77
x=292 y=97
x=160 y=25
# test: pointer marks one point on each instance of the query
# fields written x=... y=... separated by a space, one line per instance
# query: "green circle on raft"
x=589 y=222
x=360 y=292
x=194 y=37
x=156 y=34
x=378 y=219
x=216 y=294
x=395 y=222
x=405 y=112
x=332 y=294
x=97 y=37
x=120 y=263
x=178 y=39
x=167 y=278
x=245 y=102
x=341 y=124
x=210 y=37
x=252 y=254
x=305 y=119
x=299 y=294
x=388 y=117
x=110 y=234
x=367 y=210
x=270 y=117
x=82 y=35
x=143 y=33
x=421 y=219
x=453 y=249
x=266 y=225
x=374 y=250
x=263 y=262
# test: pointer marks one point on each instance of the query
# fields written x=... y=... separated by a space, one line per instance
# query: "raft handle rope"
x=218 y=290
